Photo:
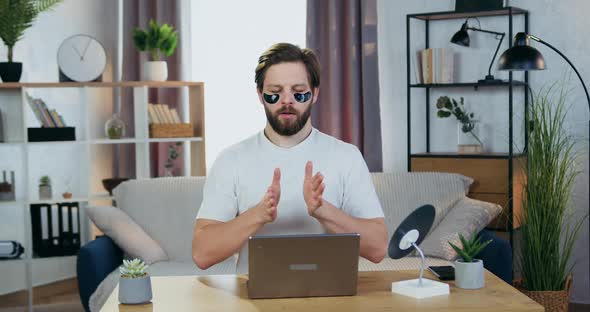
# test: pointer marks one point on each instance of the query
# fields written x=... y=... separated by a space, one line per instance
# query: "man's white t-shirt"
x=242 y=173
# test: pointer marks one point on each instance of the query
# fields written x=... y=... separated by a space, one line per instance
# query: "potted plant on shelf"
x=135 y=285
x=468 y=140
x=549 y=228
x=15 y=17
x=45 y=187
x=469 y=273
x=172 y=155
x=156 y=40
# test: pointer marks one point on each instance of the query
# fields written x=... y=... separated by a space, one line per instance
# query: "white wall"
x=557 y=22
x=228 y=36
x=38 y=52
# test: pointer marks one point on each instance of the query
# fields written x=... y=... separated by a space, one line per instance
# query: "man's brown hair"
x=286 y=52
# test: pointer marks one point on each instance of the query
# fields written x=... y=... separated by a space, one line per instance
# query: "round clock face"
x=81 y=58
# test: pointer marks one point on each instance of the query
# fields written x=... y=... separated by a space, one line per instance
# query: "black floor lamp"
x=524 y=57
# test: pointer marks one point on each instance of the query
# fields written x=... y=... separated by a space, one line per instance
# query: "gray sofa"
x=165 y=208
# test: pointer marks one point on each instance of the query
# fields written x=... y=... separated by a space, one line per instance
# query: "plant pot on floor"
x=552 y=301
x=11 y=71
x=469 y=275
x=135 y=290
x=155 y=71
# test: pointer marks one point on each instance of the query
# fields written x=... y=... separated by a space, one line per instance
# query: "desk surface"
x=229 y=293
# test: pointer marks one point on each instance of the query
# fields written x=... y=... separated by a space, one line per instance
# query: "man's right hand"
x=266 y=210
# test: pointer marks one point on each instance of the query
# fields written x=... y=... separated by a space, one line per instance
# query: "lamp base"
x=412 y=288
x=490 y=79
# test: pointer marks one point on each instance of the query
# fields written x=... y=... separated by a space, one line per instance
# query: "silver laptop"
x=307 y=265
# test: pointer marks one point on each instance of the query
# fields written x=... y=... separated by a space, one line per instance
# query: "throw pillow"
x=466 y=217
x=129 y=236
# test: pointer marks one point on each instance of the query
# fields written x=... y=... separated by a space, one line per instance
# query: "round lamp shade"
x=521 y=56
x=412 y=230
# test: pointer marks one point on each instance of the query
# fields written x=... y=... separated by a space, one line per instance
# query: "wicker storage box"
x=182 y=130
x=552 y=301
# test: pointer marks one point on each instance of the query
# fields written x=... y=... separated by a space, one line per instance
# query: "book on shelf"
x=436 y=65
x=162 y=114
x=48 y=118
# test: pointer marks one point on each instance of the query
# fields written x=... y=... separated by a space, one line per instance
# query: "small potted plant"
x=45 y=187
x=469 y=273
x=15 y=17
x=172 y=155
x=156 y=40
x=135 y=285
x=468 y=141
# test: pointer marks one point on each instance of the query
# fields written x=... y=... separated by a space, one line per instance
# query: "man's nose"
x=286 y=98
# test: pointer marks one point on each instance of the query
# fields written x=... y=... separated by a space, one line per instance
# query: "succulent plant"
x=133 y=268
x=471 y=248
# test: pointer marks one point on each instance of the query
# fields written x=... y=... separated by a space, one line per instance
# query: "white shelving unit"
x=90 y=156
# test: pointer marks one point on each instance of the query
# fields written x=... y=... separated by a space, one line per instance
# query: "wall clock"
x=81 y=58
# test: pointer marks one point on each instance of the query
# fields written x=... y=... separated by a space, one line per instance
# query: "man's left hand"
x=313 y=189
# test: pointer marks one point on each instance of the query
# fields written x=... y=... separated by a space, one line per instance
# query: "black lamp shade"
x=521 y=56
x=461 y=37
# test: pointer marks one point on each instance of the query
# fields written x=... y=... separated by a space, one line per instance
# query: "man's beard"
x=287 y=127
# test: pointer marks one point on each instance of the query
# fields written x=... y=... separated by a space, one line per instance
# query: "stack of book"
x=162 y=114
x=166 y=123
x=48 y=118
x=434 y=65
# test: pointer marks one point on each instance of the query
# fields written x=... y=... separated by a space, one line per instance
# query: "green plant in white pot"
x=469 y=273
x=15 y=17
x=135 y=285
x=548 y=226
x=45 y=188
x=156 y=40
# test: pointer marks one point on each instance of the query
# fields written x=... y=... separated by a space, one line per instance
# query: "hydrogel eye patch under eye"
x=270 y=98
x=302 y=97
x=299 y=97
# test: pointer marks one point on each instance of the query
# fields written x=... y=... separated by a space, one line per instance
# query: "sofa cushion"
x=166 y=209
x=401 y=193
x=132 y=239
x=468 y=216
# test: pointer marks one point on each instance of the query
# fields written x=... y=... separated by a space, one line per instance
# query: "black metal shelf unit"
x=510 y=84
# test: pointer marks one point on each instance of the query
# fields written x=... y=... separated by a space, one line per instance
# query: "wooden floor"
x=58 y=296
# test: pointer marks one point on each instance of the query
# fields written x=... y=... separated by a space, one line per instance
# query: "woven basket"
x=181 y=130
x=552 y=301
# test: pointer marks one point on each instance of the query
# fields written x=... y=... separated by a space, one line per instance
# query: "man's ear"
x=259 y=92
x=316 y=95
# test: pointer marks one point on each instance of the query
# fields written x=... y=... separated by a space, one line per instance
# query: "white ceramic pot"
x=45 y=192
x=135 y=290
x=469 y=275
x=155 y=71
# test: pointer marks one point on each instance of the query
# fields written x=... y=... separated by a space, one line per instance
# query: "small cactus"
x=133 y=268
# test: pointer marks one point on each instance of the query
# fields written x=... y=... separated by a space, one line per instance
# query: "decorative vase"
x=469 y=275
x=11 y=71
x=168 y=170
x=115 y=127
x=155 y=71
x=551 y=300
x=44 y=191
x=469 y=138
x=135 y=290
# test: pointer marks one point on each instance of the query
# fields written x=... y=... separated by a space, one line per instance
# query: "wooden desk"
x=229 y=293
